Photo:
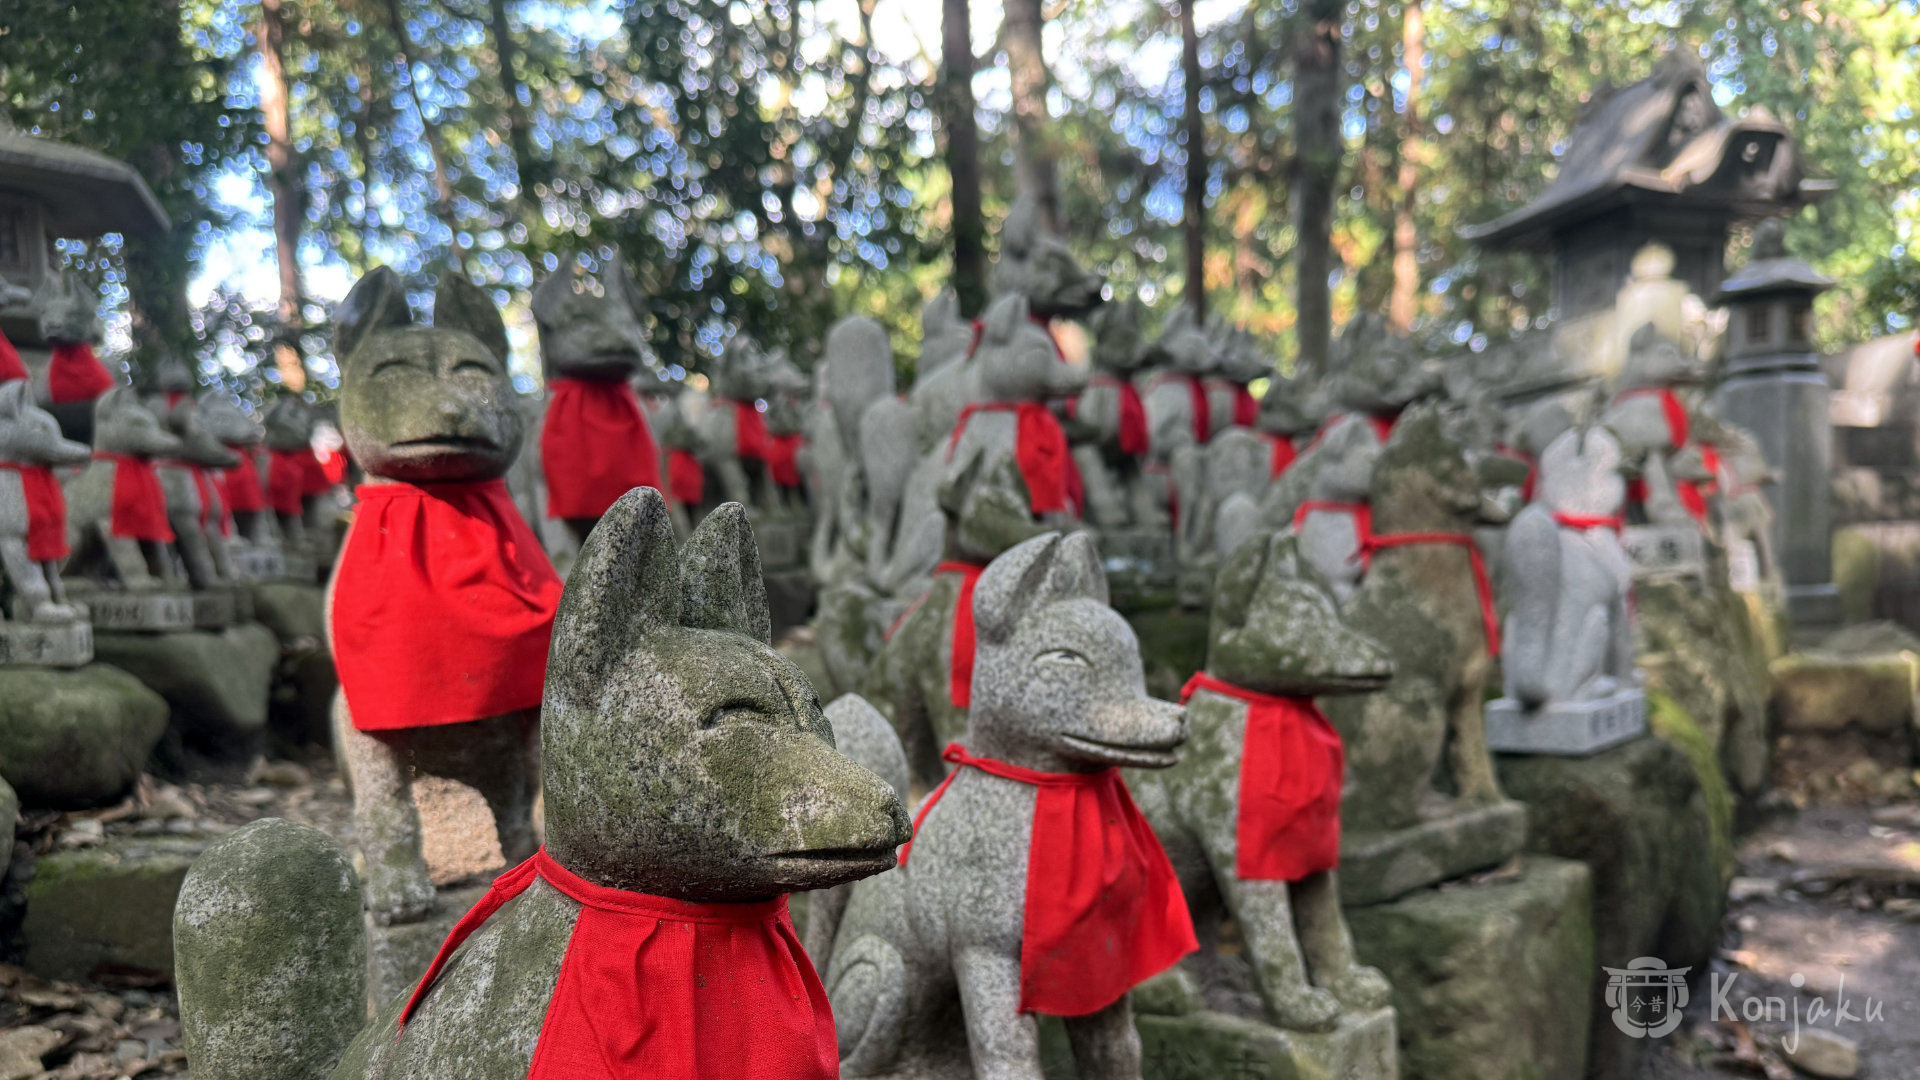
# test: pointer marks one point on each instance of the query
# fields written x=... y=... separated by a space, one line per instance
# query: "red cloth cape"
x=687 y=477
x=1104 y=911
x=654 y=988
x=442 y=606
x=203 y=486
x=1692 y=494
x=1197 y=396
x=1246 y=409
x=783 y=458
x=46 y=511
x=1134 y=434
x=1284 y=455
x=1039 y=448
x=75 y=374
x=1290 y=770
x=240 y=485
x=11 y=366
x=960 y=670
x=595 y=446
x=292 y=475
x=751 y=442
x=139 y=503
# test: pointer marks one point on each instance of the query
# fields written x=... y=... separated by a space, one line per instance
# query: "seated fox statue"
x=691 y=783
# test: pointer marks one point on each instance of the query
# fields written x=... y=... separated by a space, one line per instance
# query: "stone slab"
x=106 y=905
x=257 y=563
x=1822 y=692
x=62 y=645
x=216 y=682
x=1377 y=867
x=132 y=612
x=1574 y=728
x=74 y=738
x=1489 y=980
x=1205 y=1045
x=218 y=608
x=1665 y=550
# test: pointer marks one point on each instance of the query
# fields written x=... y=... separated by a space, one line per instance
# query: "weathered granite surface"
x=76 y=738
x=122 y=425
x=29 y=436
x=110 y=904
x=215 y=683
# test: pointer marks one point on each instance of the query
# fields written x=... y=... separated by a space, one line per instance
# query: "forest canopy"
x=768 y=167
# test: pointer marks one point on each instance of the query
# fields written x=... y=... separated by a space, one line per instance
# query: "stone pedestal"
x=216 y=682
x=1788 y=413
x=61 y=645
x=1491 y=979
x=1574 y=728
x=1671 y=550
x=137 y=612
x=107 y=905
x=220 y=607
x=1376 y=867
x=253 y=562
x=75 y=738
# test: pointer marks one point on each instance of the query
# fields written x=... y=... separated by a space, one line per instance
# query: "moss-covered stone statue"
x=691 y=782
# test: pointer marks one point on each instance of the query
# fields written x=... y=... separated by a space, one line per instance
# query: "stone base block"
x=1665 y=550
x=257 y=563
x=1375 y=867
x=75 y=738
x=293 y=611
x=1827 y=692
x=107 y=905
x=1492 y=979
x=397 y=956
x=1572 y=728
x=216 y=682
x=62 y=645
x=138 y=612
x=1215 y=1046
x=301 y=567
x=220 y=607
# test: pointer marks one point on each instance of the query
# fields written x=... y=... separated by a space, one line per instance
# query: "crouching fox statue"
x=691 y=782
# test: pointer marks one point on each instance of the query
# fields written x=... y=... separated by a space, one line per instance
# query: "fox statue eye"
x=1062 y=656
x=734 y=711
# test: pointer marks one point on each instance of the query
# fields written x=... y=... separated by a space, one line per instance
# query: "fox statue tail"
x=270 y=955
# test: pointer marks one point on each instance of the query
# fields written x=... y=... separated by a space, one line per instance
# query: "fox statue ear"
x=1239 y=576
x=1021 y=228
x=1076 y=572
x=459 y=304
x=13 y=397
x=620 y=284
x=1044 y=570
x=625 y=585
x=549 y=299
x=720 y=583
x=1005 y=317
x=376 y=302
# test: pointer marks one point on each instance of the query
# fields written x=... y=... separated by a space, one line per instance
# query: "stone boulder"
x=1848 y=700
x=1698 y=646
x=1490 y=978
x=78 y=738
x=108 y=905
x=216 y=682
x=1654 y=834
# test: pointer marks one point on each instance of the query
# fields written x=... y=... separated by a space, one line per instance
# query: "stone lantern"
x=1774 y=388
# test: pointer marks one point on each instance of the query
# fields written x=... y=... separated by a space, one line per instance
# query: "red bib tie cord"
x=46 y=511
x=960 y=668
x=1371 y=542
x=595 y=446
x=443 y=606
x=1288 y=823
x=1585 y=522
x=666 y=989
x=1104 y=911
x=1692 y=494
x=11 y=366
x=1284 y=455
x=1197 y=403
x=686 y=478
x=139 y=503
x=1039 y=449
x=202 y=486
x=75 y=374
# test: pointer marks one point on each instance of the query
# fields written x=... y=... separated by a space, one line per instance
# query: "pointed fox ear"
x=625 y=584
x=1033 y=573
x=720 y=583
x=459 y=304
x=378 y=301
x=1005 y=317
x=620 y=284
x=1021 y=228
x=1237 y=580
x=550 y=298
x=13 y=397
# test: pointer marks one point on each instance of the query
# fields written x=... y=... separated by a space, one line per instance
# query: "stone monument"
x=117 y=526
x=38 y=625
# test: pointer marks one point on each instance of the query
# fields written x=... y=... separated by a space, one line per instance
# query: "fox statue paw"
x=1306 y=1008
x=1361 y=987
x=399 y=894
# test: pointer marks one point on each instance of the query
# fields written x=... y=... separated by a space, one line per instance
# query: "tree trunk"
x=519 y=127
x=962 y=133
x=1318 y=150
x=1035 y=166
x=284 y=183
x=1194 y=223
x=1404 y=305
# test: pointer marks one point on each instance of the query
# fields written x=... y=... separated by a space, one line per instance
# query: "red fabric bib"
x=442 y=606
x=654 y=988
x=75 y=374
x=241 y=484
x=1284 y=455
x=594 y=447
x=960 y=673
x=1134 y=434
x=292 y=475
x=1197 y=396
x=1533 y=468
x=784 y=458
x=750 y=439
x=46 y=511
x=687 y=477
x=202 y=486
x=1290 y=770
x=1104 y=911
x=1245 y=409
x=1692 y=494
x=1039 y=449
x=11 y=366
x=139 y=503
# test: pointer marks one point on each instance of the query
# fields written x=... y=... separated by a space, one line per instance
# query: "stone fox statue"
x=1033 y=884
x=1250 y=814
x=441 y=604
x=33 y=525
x=117 y=510
x=691 y=782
